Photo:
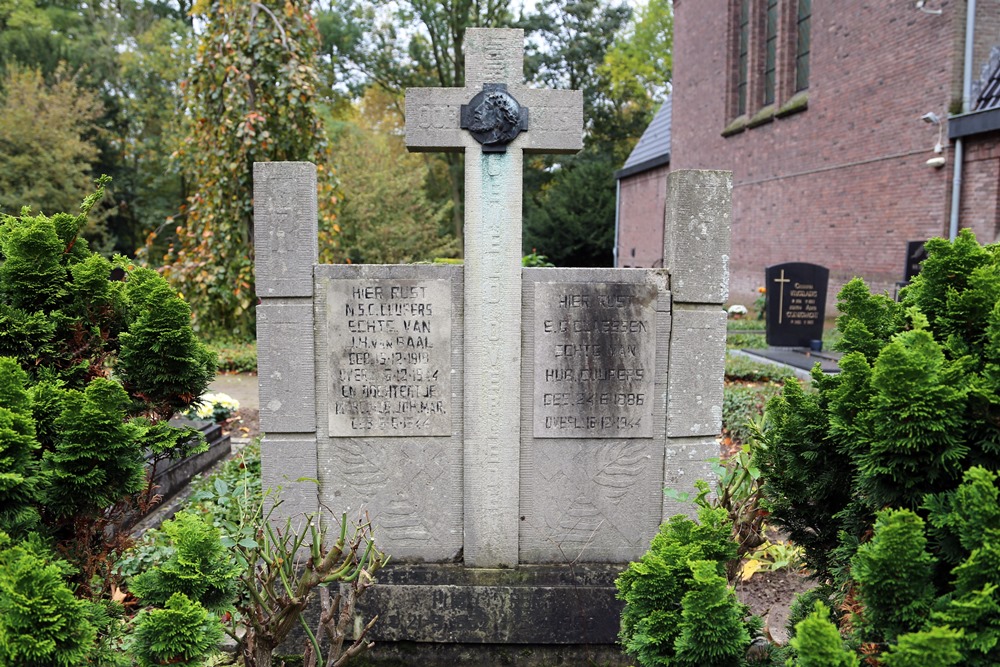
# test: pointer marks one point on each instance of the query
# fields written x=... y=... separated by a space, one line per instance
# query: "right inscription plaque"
x=595 y=355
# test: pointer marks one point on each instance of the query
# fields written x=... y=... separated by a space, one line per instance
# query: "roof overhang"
x=652 y=163
x=974 y=122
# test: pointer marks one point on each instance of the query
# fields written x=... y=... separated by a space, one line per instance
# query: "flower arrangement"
x=213 y=405
x=760 y=305
x=737 y=311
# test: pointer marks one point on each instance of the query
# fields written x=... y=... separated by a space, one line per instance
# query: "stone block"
x=286 y=241
x=533 y=604
x=687 y=460
x=696 y=235
x=285 y=368
x=288 y=468
x=697 y=369
x=593 y=498
x=555 y=121
x=408 y=480
x=433 y=120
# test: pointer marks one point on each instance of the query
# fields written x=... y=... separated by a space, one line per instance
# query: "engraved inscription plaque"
x=595 y=353
x=390 y=366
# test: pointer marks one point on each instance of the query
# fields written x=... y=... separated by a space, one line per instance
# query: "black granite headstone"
x=915 y=254
x=796 y=303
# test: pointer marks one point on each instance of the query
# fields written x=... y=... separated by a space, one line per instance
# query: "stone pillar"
x=696 y=255
x=286 y=248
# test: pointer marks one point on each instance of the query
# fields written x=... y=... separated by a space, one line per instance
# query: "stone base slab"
x=407 y=654
x=538 y=604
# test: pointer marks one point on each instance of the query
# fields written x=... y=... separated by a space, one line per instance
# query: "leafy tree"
x=385 y=215
x=569 y=202
x=47 y=148
x=99 y=45
x=251 y=96
x=417 y=43
x=640 y=62
x=571 y=219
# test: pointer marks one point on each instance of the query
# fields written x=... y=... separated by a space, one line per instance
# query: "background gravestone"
x=916 y=253
x=796 y=303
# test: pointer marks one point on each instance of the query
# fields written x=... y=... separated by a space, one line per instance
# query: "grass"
x=235 y=356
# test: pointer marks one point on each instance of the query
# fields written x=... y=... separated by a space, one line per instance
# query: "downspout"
x=618 y=203
x=956 y=181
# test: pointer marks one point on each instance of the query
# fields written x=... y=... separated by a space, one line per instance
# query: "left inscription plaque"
x=390 y=365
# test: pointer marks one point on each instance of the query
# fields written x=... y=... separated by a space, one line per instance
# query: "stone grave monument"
x=796 y=303
x=509 y=431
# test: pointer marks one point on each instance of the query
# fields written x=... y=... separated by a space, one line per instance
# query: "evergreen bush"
x=817 y=642
x=181 y=633
x=678 y=608
x=41 y=622
x=95 y=357
x=887 y=473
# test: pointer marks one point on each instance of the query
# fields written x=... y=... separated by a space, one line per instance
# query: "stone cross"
x=552 y=123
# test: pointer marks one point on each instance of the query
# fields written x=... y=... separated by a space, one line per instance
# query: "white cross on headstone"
x=492 y=385
x=781 y=294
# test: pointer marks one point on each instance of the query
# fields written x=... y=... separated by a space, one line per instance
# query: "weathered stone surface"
x=285 y=368
x=390 y=342
x=288 y=467
x=492 y=285
x=696 y=235
x=285 y=225
x=411 y=487
x=492 y=358
x=595 y=351
x=533 y=604
x=591 y=499
x=697 y=367
x=687 y=460
x=433 y=115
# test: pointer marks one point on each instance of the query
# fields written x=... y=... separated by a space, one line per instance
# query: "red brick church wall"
x=843 y=183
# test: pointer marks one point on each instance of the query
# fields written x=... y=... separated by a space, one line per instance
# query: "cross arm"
x=433 y=119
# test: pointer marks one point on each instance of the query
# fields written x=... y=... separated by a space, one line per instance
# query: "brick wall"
x=981 y=186
x=642 y=201
x=843 y=183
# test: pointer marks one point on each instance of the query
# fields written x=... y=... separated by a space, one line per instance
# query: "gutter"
x=956 y=181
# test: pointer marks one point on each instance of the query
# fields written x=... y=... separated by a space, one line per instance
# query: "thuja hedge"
x=95 y=356
x=886 y=474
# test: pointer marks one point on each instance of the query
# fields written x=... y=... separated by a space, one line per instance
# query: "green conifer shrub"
x=886 y=474
x=817 y=642
x=685 y=562
x=18 y=448
x=711 y=630
x=181 y=633
x=894 y=574
x=41 y=622
x=95 y=356
x=201 y=567
x=938 y=647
